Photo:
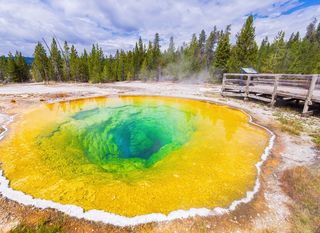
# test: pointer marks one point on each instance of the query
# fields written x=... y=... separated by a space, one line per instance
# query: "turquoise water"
x=127 y=137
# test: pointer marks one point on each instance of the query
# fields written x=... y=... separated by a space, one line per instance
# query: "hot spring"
x=134 y=155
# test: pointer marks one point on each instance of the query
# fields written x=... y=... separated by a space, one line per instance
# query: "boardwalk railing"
x=271 y=87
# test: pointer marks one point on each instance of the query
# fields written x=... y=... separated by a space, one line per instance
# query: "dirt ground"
x=269 y=211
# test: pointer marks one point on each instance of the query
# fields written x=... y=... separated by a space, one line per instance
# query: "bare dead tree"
x=66 y=59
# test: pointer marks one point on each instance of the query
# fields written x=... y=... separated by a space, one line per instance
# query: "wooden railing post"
x=308 y=100
x=275 y=88
x=223 y=83
x=247 y=87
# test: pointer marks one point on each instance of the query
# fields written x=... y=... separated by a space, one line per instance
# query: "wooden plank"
x=233 y=80
x=308 y=99
x=287 y=95
x=274 y=92
x=247 y=87
x=316 y=101
x=268 y=100
x=233 y=90
x=289 y=99
x=232 y=94
x=223 y=82
x=254 y=89
x=268 y=81
x=309 y=76
x=299 y=81
x=283 y=80
x=235 y=87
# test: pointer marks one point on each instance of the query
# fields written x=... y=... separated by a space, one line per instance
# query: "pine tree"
x=22 y=69
x=95 y=64
x=74 y=62
x=136 y=61
x=202 y=48
x=114 y=66
x=172 y=50
x=138 y=56
x=156 y=56
x=311 y=31
x=291 y=39
x=303 y=55
x=244 y=54
x=144 y=70
x=171 y=47
x=11 y=69
x=129 y=66
x=192 y=54
x=210 y=46
x=40 y=64
x=263 y=56
x=56 y=62
x=121 y=67
x=149 y=61
x=107 y=70
x=83 y=67
x=279 y=54
x=318 y=33
x=222 y=54
x=293 y=47
x=3 y=65
x=308 y=56
x=66 y=62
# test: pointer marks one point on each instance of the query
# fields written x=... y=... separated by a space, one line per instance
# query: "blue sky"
x=301 y=5
x=118 y=24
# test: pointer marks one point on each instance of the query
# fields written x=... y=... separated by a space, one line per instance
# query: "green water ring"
x=127 y=137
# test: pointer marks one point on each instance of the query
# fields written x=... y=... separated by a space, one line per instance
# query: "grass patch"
x=303 y=186
x=40 y=228
x=316 y=140
x=292 y=126
x=270 y=231
x=289 y=124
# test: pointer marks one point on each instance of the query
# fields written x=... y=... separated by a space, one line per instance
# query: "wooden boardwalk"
x=272 y=87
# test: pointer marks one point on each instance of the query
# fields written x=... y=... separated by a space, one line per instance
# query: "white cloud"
x=296 y=21
x=118 y=24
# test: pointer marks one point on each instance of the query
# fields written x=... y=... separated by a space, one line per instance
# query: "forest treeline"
x=207 y=55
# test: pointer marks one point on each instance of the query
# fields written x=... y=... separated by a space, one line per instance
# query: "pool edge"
x=122 y=221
